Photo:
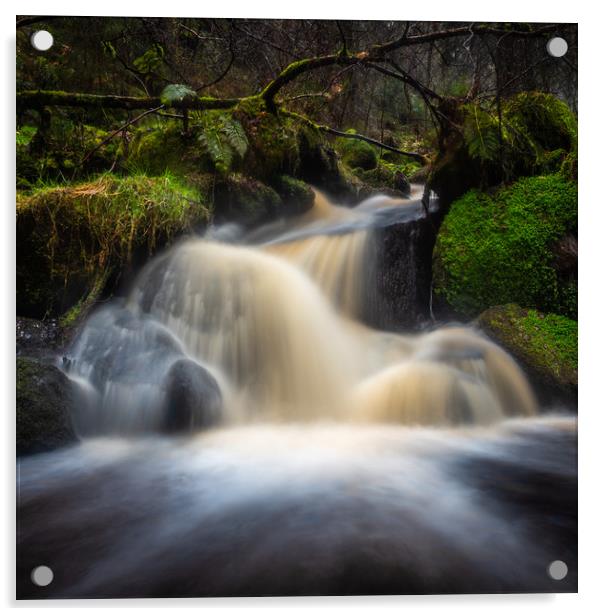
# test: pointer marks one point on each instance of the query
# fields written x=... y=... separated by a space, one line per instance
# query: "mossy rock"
x=71 y=239
x=245 y=200
x=45 y=399
x=155 y=151
x=500 y=248
x=297 y=196
x=356 y=154
x=386 y=178
x=272 y=140
x=537 y=134
x=546 y=344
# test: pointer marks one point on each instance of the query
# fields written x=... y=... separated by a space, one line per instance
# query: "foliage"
x=546 y=343
x=150 y=60
x=273 y=147
x=70 y=237
x=59 y=151
x=176 y=93
x=534 y=135
x=498 y=249
x=223 y=138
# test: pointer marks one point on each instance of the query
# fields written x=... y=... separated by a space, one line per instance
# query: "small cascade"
x=279 y=329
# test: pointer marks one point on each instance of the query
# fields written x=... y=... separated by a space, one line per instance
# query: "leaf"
x=176 y=93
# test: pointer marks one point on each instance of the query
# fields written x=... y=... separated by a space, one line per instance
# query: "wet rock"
x=44 y=404
x=193 y=397
x=245 y=200
x=39 y=339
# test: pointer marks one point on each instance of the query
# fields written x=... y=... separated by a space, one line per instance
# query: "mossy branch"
x=333 y=131
x=35 y=99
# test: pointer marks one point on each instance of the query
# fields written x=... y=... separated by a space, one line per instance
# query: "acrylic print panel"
x=296 y=307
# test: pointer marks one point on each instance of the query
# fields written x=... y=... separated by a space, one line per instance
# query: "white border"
x=590 y=421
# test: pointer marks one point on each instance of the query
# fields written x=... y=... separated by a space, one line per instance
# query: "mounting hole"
x=42 y=575
x=42 y=40
x=557 y=570
x=557 y=47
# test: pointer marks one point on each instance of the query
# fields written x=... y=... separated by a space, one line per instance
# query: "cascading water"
x=272 y=323
x=268 y=340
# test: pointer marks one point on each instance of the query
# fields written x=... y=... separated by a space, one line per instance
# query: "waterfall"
x=278 y=328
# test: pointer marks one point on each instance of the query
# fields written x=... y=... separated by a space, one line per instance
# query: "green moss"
x=498 y=249
x=356 y=154
x=545 y=343
x=155 y=151
x=297 y=197
x=71 y=237
x=272 y=137
x=537 y=133
x=62 y=149
x=386 y=177
x=244 y=199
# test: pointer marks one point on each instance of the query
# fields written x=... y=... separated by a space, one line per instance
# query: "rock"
x=386 y=178
x=511 y=246
x=193 y=398
x=545 y=345
x=39 y=339
x=244 y=200
x=45 y=399
x=297 y=196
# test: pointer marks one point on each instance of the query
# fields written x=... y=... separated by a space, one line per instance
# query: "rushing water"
x=339 y=459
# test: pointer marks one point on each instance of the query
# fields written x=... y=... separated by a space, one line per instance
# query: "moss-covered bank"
x=546 y=344
x=72 y=239
x=506 y=247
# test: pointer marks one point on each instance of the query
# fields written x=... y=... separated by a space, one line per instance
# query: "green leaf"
x=177 y=93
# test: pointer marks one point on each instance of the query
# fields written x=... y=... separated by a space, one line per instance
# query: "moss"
x=297 y=197
x=498 y=249
x=538 y=132
x=155 y=151
x=386 y=177
x=70 y=238
x=44 y=402
x=273 y=146
x=545 y=343
x=61 y=150
x=246 y=200
x=356 y=154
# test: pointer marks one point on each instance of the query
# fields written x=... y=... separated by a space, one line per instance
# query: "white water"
x=349 y=460
x=273 y=323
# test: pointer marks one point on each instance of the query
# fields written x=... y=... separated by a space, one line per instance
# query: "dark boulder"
x=192 y=397
x=45 y=398
x=39 y=339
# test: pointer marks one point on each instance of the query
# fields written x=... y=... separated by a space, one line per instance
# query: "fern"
x=481 y=133
x=224 y=139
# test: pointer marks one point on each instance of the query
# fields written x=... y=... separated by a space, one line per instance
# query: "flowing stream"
x=246 y=430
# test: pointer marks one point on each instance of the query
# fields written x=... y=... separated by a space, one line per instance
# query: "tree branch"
x=333 y=131
x=34 y=99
